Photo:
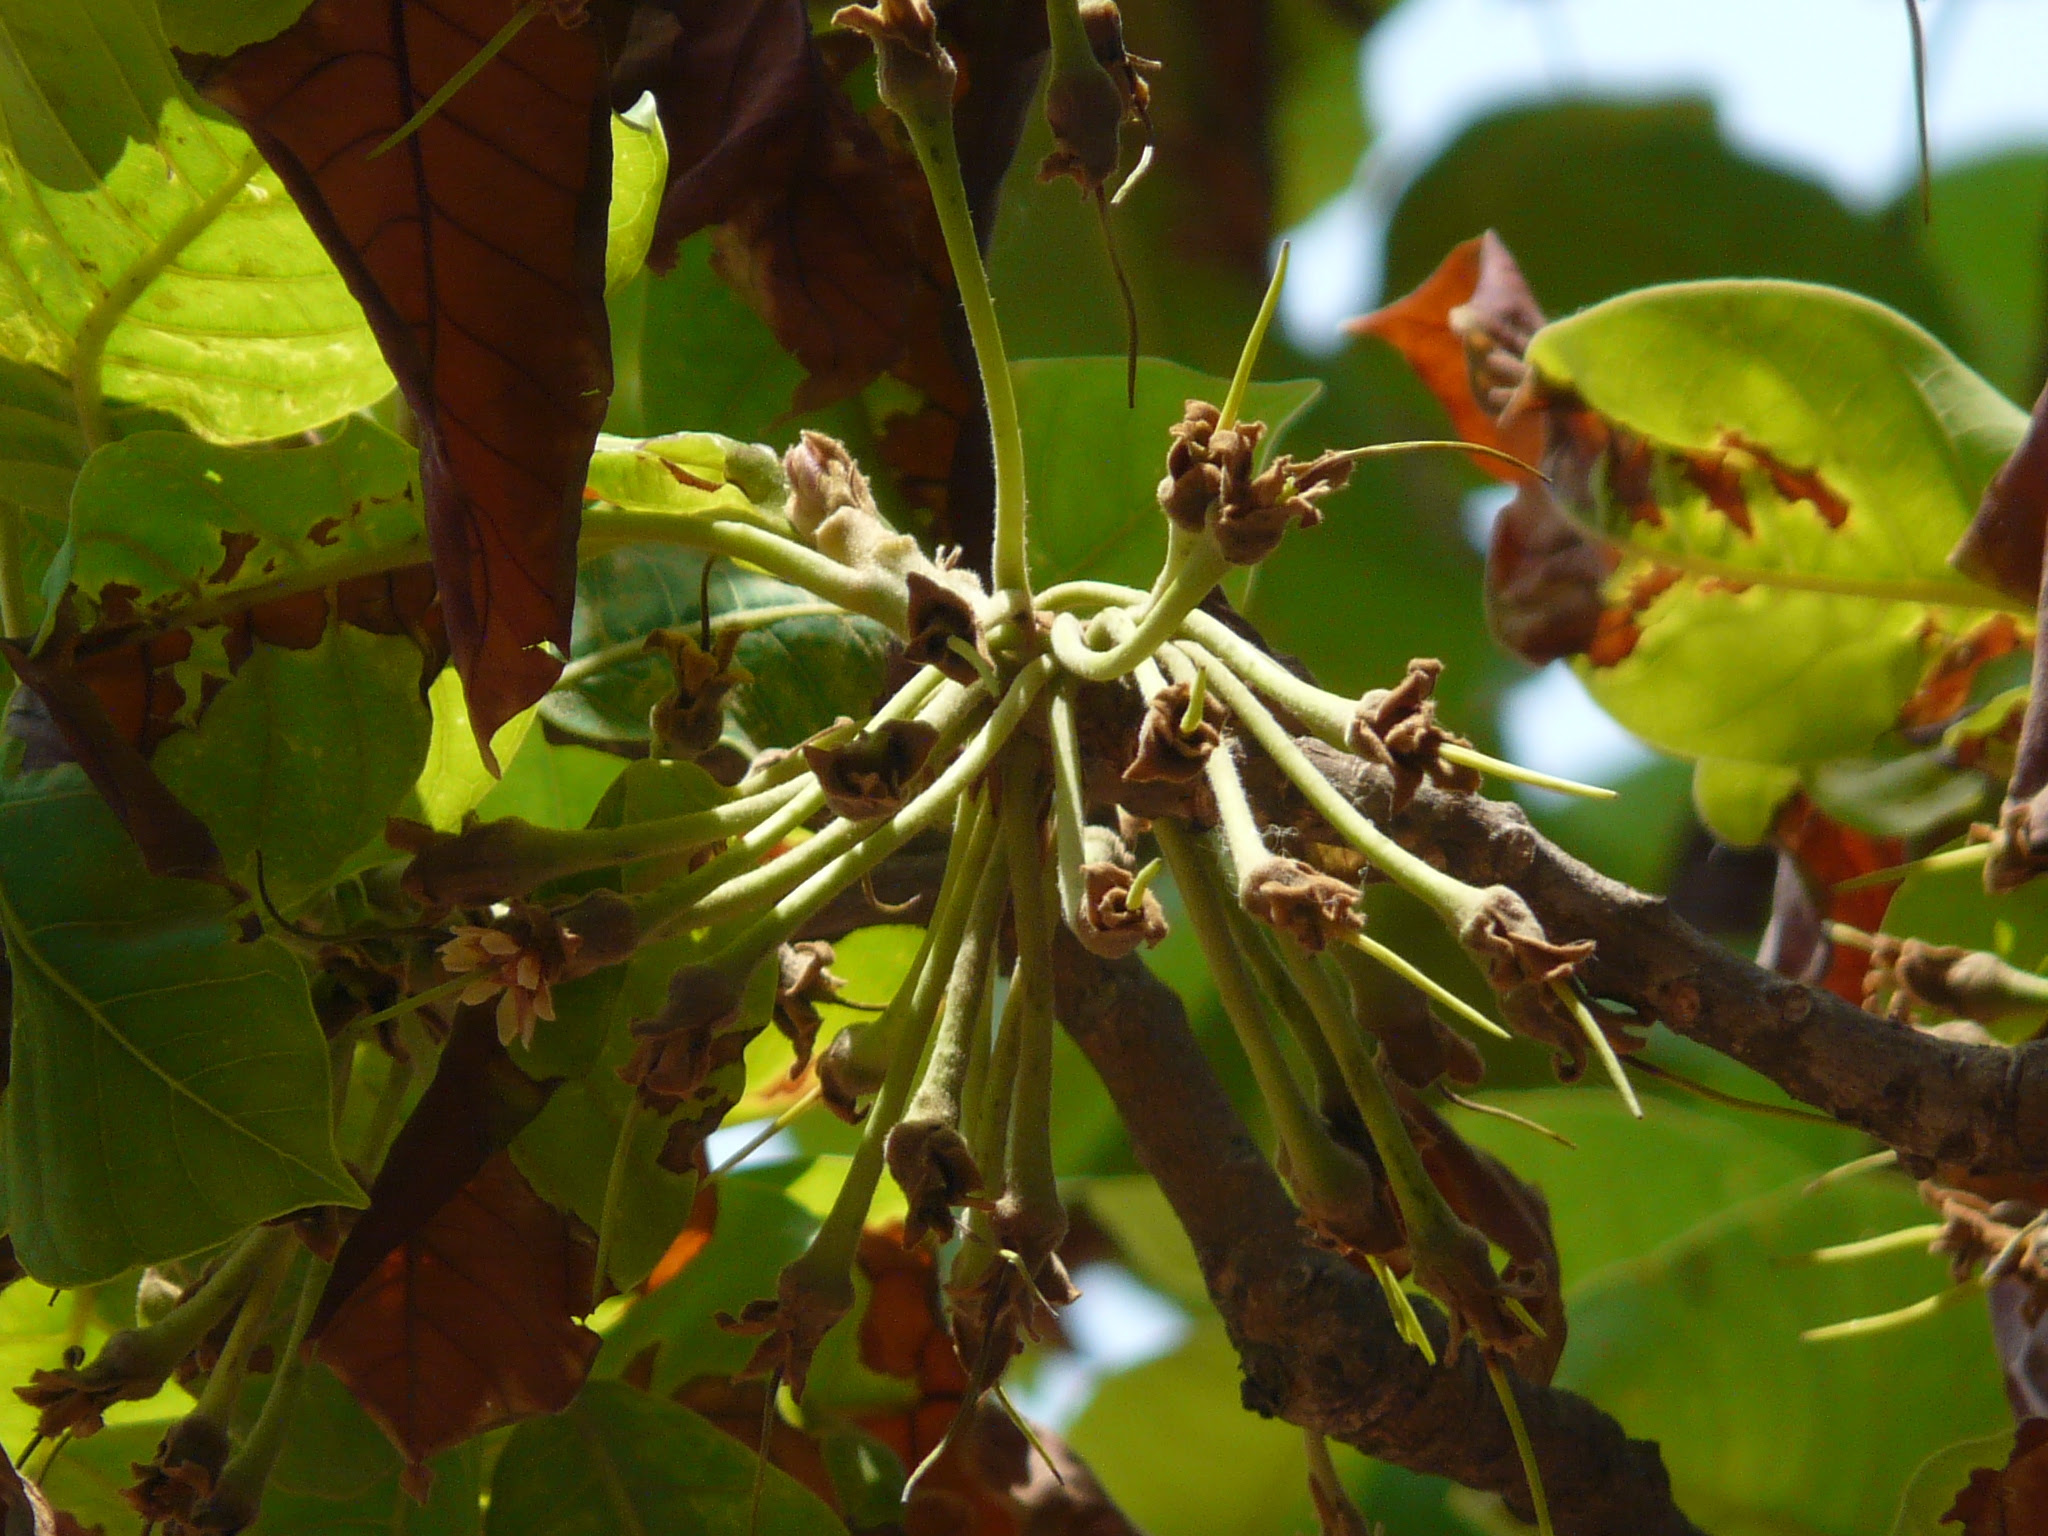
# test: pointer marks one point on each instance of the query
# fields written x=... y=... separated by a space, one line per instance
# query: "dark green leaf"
x=302 y=756
x=169 y=1084
x=162 y=521
x=567 y=1151
x=759 y=1229
x=618 y=1463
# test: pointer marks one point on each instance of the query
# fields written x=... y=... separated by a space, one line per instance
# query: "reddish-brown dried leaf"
x=476 y=247
x=2002 y=546
x=1543 y=579
x=1827 y=853
x=1463 y=332
x=477 y=1102
x=173 y=840
x=2009 y=1501
x=812 y=228
x=471 y=1323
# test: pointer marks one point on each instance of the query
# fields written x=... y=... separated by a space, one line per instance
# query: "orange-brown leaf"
x=476 y=247
x=1463 y=332
x=470 y=1323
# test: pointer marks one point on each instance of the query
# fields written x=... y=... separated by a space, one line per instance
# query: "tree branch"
x=1979 y=1107
x=1317 y=1344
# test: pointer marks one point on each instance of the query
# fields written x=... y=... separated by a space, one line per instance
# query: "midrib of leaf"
x=1937 y=593
x=89 y=348
x=22 y=946
x=616 y=1492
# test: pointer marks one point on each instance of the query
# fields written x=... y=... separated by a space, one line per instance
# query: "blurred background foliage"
x=1682 y=1236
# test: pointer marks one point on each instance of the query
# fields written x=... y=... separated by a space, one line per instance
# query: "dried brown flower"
x=184 y=1471
x=1109 y=927
x=1301 y=900
x=803 y=978
x=689 y=1039
x=937 y=1172
x=690 y=719
x=1165 y=754
x=1397 y=728
x=938 y=615
x=871 y=775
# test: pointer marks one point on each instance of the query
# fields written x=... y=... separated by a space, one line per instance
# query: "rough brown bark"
x=1980 y=1107
x=1318 y=1346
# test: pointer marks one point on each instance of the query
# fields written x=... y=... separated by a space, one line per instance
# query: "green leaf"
x=618 y=1462
x=152 y=256
x=567 y=1151
x=1092 y=464
x=453 y=780
x=1176 y=1449
x=41 y=450
x=759 y=1229
x=1985 y=248
x=639 y=177
x=1672 y=201
x=1318 y=114
x=169 y=1084
x=1902 y=794
x=221 y=26
x=1937 y=1480
x=1811 y=457
x=1697 y=1347
x=337 y=1472
x=1688 y=1162
x=162 y=521
x=1739 y=801
x=1951 y=906
x=552 y=784
x=302 y=756
x=807 y=670
x=689 y=351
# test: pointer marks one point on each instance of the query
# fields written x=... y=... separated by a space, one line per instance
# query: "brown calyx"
x=1301 y=900
x=1166 y=754
x=1524 y=968
x=846 y=1078
x=1283 y=496
x=939 y=615
x=803 y=979
x=804 y=1310
x=689 y=721
x=937 y=1172
x=1397 y=728
x=689 y=1039
x=1109 y=927
x=186 y=1468
x=871 y=775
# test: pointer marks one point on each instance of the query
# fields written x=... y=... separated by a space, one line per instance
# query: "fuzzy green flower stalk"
x=1328 y=716
x=1904 y=1240
x=1328 y=1180
x=1504 y=1390
x=914 y=76
x=224 y=1382
x=872 y=591
x=1030 y=1197
x=1450 y=898
x=924 y=810
x=816 y=1289
x=235 y=1501
x=731 y=885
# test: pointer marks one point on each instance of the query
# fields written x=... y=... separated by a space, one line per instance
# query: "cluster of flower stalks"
x=1073 y=742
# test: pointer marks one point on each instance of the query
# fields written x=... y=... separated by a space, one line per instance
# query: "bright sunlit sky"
x=1820 y=88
